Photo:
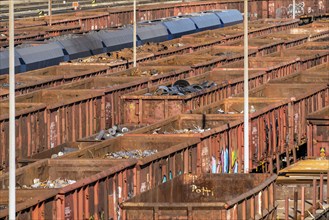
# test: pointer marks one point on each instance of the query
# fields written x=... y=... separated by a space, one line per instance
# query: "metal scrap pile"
x=196 y=130
x=113 y=132
x=181 y=88
x=137 y=154
x=49 y=184
x=138 y=72
x=63 y=152
x=221 y=111
x=7 y=84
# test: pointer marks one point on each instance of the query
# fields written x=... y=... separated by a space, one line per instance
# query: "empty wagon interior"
x=235 y=106
x=64 y=70
x=277 y=90
x=183 y=60
x=145 y=71
x=98 y=83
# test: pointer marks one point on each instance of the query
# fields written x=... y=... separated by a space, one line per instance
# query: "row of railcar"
x=46 y=121
x=92 y=181
x=52 y=53
x=95 y=180
x=77 y=22
x=107 y=109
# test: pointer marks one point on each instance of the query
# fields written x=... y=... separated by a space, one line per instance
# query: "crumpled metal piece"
x=113 y=132
x=195 y=130
x=181 y=88
x=49 y=184
x=137 y=154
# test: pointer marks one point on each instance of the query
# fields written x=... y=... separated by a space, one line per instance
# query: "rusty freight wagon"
x=230 y=53
x=256 y=29
x=305 y=99
x=153 y=104
x=26 y=84
x=113 y=88
x=318 y=133
x=275 y=67
x=207 y=196
x=69 y=115
x=114 y=61
x=220 y=127
x=307 y=58
x=289 y=39
x=30 y=124
x=262 y=46
x=199 y=63
x=155 y=74
x=72 y=189
x=69 y=73
x=159 y=159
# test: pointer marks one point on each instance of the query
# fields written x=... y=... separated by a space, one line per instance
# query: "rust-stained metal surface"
x=226 y=131
x=68 y=74
x=305 y=99
x=69 y=115
x=26 y=84
x=141 y=108
x=30 y=123
x=318 y=133
x=262 y=46
x=307 y=58
x=155 y=74
x=112 y=88
x=211 y=195
x=171 y=158
x=70 y=202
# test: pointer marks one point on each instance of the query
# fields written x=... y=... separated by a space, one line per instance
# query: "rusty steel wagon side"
x=207 y=196
x=72 y=189
x=318 y=133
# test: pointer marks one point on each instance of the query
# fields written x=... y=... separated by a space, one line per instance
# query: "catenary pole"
x=134 y=37
x=12 y=142
x=246 y=90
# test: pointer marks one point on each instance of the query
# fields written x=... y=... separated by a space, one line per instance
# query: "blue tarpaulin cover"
x=179 y=27
x=4 y=62
x=75 y=48
x=230 y=17
x=116 y=40
x=207 y=21
x=41 y=56
x=152 y=33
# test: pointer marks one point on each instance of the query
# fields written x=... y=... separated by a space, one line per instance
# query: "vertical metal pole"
x=49 y=11
x=303 y=204
x=293 y=9
x=134 y=37
x=314 y=197
x=246 y=90
x=12 y=142
x=295 y=203
x=321 y=188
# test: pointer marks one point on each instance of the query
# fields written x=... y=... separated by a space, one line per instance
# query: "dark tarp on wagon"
x=152 y=33
x=230 y=17
x=117 y=40
x=75 y=48
x=180 y=27
x=207 y=21
x=94 y=43
x=4 y=62
x=41 y=56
